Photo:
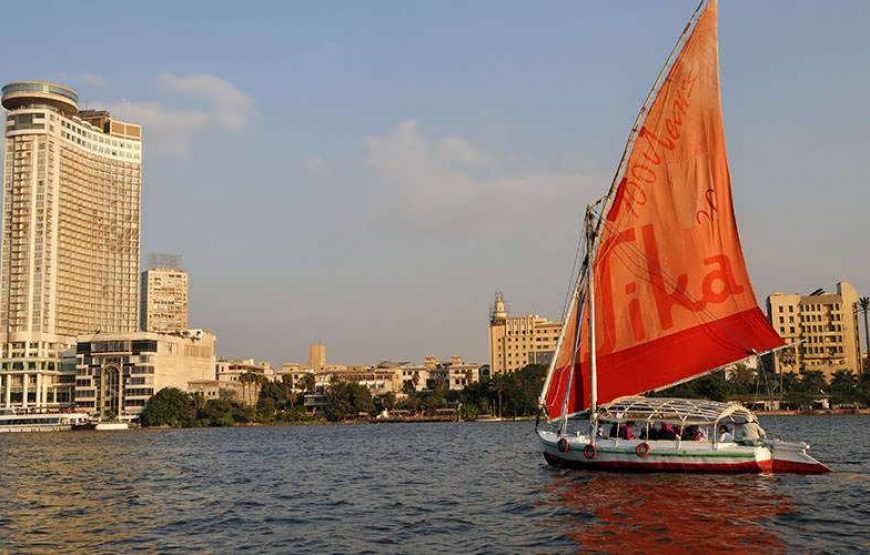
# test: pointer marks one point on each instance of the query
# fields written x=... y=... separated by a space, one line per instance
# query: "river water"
x=410 y=488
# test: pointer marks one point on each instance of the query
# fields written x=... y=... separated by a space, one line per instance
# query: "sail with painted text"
x=673 y=298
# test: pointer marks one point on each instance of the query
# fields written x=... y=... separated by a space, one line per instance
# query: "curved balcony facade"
x=23 y=94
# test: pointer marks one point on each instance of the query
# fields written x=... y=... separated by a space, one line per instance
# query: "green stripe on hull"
x=679 y=454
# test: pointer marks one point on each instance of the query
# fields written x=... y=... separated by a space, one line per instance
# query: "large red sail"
x=673 y=298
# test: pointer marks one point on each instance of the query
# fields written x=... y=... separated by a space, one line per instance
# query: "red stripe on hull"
x=793 y=467
x=750 y=467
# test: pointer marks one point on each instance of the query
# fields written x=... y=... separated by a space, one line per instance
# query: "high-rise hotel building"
x=516 y=341
x=71 y=229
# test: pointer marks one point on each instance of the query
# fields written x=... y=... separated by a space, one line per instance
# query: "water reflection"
x=74 y=500
x=664 y=512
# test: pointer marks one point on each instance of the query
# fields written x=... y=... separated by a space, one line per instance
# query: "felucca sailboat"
x=663 y=296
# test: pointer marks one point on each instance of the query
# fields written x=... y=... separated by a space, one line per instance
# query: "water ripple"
x=432 y=488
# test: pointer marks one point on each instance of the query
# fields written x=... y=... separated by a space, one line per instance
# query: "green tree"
x=844 y=386
x=386 y=401
x=251 y=384
x=224 y=411
x=408 y=388
x=279 y=394
x=169 y=407
x=432 y=400
x=812 y=382
x=266 y=409
x=347 y=399
x=743 y=379
x=308 y=383
x=479 y=395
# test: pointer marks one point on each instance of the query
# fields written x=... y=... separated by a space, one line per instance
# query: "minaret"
x=497 y=328
x=499 y=312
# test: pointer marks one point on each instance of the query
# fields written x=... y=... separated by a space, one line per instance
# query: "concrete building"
x=379 y=381
x=316 y=356
x=229 y=376
x=516 y=341
x=70 y=252
x=416 y=378
x=821 y=330
x=232 y=370
x=456 y=374
x=118 y=373
x=164 y=306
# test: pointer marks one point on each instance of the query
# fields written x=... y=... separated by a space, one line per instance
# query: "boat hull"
x=111 y=426
x=678 y=456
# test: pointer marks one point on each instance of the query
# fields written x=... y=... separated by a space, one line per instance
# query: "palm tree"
x=249 y=379
x=308 y=383
x=864 y=304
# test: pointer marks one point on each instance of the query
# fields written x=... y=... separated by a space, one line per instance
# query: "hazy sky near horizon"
x=367 y=174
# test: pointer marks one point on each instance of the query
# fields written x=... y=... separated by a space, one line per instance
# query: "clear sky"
x=367 y=174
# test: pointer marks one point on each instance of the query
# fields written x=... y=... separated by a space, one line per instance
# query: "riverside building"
x=116 y=374
x=70 y=246
x=516 y=341
x=820 y=330
x=164 y=306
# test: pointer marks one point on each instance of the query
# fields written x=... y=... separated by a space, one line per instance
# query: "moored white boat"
x=663 y=295
x=23 y=421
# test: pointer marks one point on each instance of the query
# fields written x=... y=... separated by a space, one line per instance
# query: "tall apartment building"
x=164 y=303
x=70 y=246
x=515 y=341
x=820 y=329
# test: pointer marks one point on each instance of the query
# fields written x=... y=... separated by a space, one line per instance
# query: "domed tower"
x=499 y=312
x=498 y=318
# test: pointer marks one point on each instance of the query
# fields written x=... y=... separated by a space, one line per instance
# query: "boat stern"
x=793 y=458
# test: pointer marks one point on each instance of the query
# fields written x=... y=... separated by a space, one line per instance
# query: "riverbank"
x=814 y=412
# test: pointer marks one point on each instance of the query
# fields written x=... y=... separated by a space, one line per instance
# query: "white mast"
x=590 y=277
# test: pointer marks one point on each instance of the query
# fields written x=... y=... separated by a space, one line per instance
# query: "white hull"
x=11 y=422
x=677 y=456
x=35 y=428
x=111 y=426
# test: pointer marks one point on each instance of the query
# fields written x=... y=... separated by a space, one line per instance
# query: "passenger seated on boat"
x=750 y=433
x=624 y=432
x=694 y=433
x=725 y=435
x=667 y=431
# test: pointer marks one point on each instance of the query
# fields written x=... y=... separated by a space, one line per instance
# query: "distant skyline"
x=369 y=174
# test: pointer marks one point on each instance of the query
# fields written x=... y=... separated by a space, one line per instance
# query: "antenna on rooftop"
x=164 y=260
